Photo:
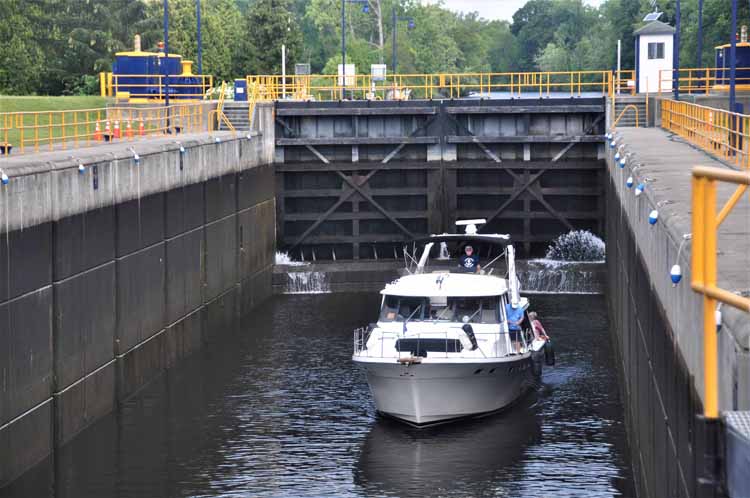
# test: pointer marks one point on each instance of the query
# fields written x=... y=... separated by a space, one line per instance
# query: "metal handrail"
x=220 y=108
x=699 y=80
x=495 y=341
x=21 y=132
x=705 y=233
x=364 y=86
x=622 y=113
x=722 y=133
x=150 y=87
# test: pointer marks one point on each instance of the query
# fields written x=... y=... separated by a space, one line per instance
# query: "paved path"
x=668 y=161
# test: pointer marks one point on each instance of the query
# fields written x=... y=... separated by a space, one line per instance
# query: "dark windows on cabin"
x=454 y=309
x=656 y=50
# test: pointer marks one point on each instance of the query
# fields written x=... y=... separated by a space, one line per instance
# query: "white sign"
x=350 y=75
x=378 y=72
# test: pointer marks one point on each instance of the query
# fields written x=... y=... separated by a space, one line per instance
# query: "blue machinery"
x=140 y=76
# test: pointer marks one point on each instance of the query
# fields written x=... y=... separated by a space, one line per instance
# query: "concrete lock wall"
x=109 y=276
x=657 y=329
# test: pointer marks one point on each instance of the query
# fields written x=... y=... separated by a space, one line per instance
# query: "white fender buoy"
x=653 y=217
x=676 y=274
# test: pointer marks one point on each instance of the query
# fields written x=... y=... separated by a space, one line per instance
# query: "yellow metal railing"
x=722 y=133
x=150 y=88
x=705 y=231
x=624 y=81
x=429 y=86
x=252 y=100
x=217 y=116
x=22 y=132
x=622 y=113
x=701 y=80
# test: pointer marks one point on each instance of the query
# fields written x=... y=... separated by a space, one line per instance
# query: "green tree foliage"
x=20 y=54
x=221 y=25
x=269 y=24
x=58 y=46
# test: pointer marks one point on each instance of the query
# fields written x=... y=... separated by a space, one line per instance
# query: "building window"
x=656 y=50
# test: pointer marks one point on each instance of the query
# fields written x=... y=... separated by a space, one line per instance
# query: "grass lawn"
x=51 y=124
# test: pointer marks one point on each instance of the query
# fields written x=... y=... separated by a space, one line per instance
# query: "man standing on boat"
x=469 y=262
x=515 y=319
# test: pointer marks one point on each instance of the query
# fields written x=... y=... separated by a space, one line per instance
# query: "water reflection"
x=470 y=458
x=279 y=410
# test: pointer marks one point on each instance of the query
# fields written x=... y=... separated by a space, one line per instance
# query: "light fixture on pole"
x=395 y=20
x=165 y=60
x=200 y=39
x=676 y=53
x=365 y=9
x=733 y=59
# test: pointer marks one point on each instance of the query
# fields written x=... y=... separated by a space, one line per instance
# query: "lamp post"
x=676 y=54
x=365 y=9
x=200 y=40
x=699 y=48
x=166 y=59
x=733 y=59
x=395 y=21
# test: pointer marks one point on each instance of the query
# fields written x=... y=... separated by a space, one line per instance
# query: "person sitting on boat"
x=469 y=262
x=537 y=327
x=515 y=319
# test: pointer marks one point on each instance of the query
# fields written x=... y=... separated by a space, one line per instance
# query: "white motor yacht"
x=441 y=348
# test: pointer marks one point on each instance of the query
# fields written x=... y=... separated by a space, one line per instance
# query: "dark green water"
x=280 y=411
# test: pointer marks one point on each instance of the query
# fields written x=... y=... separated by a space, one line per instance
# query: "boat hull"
x=429 y=393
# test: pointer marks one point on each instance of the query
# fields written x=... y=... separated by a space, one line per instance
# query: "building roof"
x=655 y=28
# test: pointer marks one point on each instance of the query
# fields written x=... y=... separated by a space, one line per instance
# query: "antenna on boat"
x=423 y=259
x=515 y=291
x=471 y=225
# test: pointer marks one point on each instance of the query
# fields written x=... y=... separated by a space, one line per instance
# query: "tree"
x=503 y=52
x=220 y=22
x=268 y=25
x=20 y=54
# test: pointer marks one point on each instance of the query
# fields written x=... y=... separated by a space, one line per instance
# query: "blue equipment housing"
x=142 y=75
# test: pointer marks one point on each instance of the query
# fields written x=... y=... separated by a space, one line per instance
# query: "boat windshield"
x=440 y=309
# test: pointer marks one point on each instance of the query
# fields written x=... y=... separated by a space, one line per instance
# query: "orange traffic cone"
x=141 y=128
x=129 y=130
x=117 y=129
x=107 y=132
x=98 y=133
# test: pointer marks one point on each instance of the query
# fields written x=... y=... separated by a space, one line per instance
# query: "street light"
x=676 y=54
x=365 y=9
x=733 y=59
x=165 y=61
x=200 y=41
x=395 y=21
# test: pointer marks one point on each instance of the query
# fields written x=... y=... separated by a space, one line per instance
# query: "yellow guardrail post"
x=704 y=267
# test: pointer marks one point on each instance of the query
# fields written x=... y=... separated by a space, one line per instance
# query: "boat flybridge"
x=443 y=347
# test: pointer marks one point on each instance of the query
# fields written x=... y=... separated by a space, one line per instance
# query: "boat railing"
x=438 y=344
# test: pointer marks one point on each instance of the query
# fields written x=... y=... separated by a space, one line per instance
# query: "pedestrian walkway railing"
x=217 y=116
x=701 y=80
x=722 y=133
x=23 y=132
x=706 y=222
x=145 y=88
x=627 y=108
x=434 y=86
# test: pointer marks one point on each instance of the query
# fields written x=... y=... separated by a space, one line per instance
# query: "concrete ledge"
x=25 y=441
x=82 y=403
x=667 y=164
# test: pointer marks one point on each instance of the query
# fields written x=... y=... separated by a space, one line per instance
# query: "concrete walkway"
x=668 y=160
x=666 y=163
x=90 y=148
